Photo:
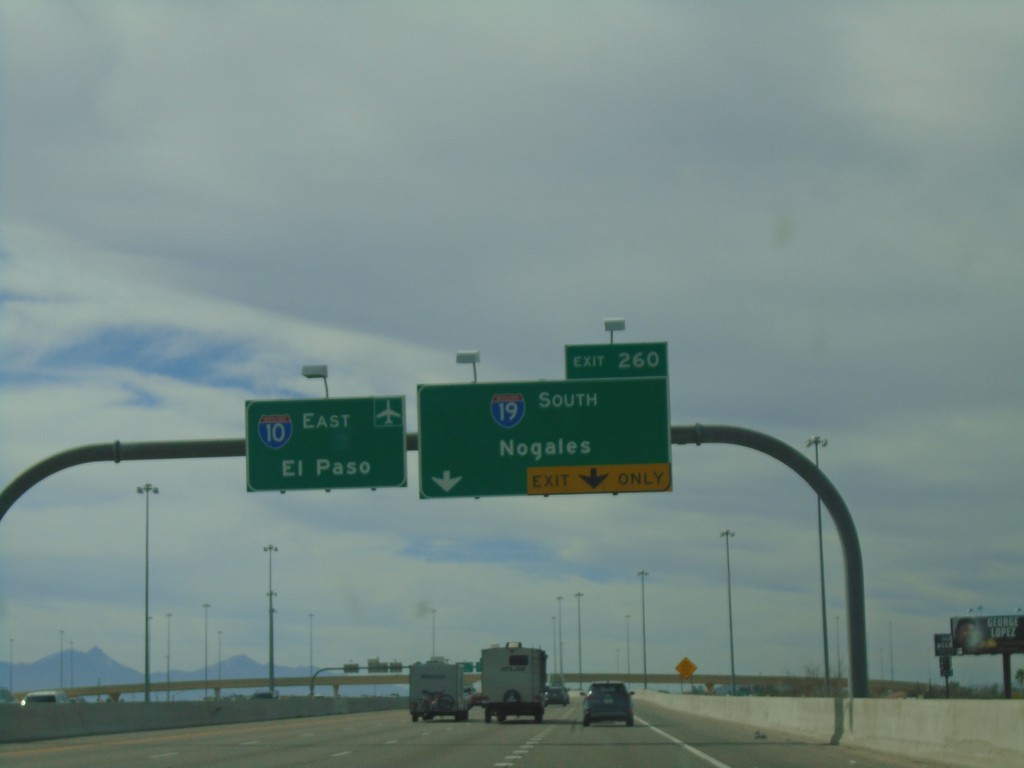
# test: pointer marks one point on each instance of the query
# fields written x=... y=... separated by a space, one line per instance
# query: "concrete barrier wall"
x=55 y=721
x=969 y=734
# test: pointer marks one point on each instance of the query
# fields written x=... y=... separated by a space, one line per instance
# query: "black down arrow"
x=593 y=479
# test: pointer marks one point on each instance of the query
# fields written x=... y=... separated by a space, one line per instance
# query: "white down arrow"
x=447 y=482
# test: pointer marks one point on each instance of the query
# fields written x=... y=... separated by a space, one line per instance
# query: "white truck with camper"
x=436 y=689
x=512 y=681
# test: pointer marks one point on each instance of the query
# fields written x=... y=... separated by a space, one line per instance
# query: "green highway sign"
x=325 y=443
x=544 y=437
x=610 y=361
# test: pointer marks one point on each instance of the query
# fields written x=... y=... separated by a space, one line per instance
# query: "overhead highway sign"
x=325 y=444
x=544 y=437
x=601 y=361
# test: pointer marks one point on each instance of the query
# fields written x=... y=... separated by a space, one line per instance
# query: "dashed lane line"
x=517 y=754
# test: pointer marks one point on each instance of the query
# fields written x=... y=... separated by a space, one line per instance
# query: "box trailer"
x=436 y=689
x=512 y=681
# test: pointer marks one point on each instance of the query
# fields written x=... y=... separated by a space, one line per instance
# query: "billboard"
x=944 y=645
x=988 y=634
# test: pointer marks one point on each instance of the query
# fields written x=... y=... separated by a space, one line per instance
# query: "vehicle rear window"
x=607 y=688
x=519 y=660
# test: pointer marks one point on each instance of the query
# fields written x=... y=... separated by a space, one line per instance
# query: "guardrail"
x=58 y=721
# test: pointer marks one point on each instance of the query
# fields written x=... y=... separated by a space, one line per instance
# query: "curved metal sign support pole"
x=116 y=452
x=684 y=435
x=820 y=484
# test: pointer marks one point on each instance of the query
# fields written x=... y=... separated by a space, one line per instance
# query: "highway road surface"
x=659 y=739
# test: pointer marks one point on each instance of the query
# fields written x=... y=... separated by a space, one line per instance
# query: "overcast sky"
x=818 y=206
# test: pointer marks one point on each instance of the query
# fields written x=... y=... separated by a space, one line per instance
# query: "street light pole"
x=206 y=649
x=579 y=633
x=821 y=442
x=892 y=669
x=627 y=645
x=839 y=653
x=728 y=580
x=168 y=657
x=554 y=645
x=147 y=489
x=433 y=632
x=148 y=636
x=311 y=645
x=643 y=620
x=561 y=645
x=316 y=372
x=270 y=549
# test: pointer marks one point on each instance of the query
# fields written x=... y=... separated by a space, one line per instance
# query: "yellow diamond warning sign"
x=608 y=478
x=686 y=668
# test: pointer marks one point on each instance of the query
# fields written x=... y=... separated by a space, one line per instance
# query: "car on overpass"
x=45 y=697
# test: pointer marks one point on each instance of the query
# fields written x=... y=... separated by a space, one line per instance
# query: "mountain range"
x=92 y=667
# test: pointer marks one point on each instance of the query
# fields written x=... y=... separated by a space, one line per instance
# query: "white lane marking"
x=339 y=754
x=518 y=753
x=162 y=755
x=249 y=743
x=692 y=750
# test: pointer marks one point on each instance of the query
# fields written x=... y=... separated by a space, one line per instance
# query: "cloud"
x=815 y=206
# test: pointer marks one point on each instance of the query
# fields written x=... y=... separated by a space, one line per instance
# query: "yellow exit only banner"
x=608 y=478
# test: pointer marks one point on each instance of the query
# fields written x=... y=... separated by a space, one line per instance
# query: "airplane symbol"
x=388 y=414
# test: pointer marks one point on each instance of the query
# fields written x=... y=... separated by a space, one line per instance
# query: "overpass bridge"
x=222 y=688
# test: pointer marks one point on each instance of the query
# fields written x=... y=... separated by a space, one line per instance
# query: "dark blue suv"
x=608 y=701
